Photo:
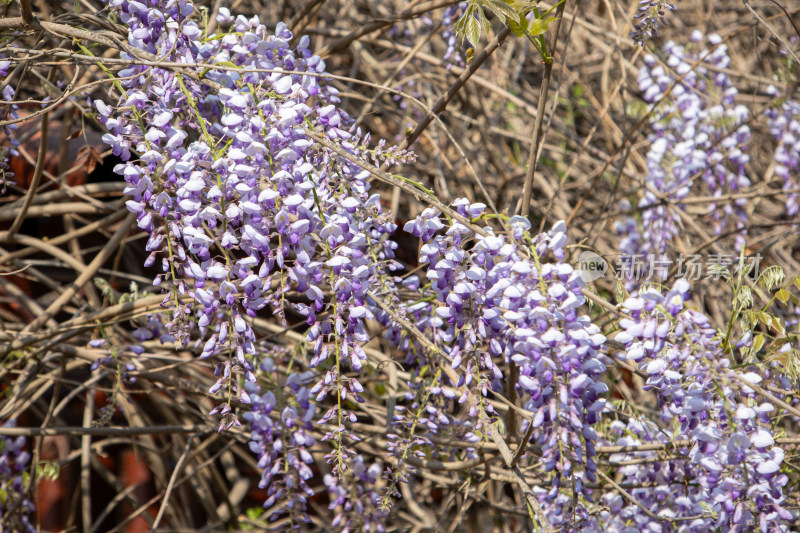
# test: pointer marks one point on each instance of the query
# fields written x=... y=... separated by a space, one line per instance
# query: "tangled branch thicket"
x=383 y=266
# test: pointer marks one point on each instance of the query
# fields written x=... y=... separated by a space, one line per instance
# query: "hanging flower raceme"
x=362 y=512
x=9 y=111
x=503 y=298
x=650 y=15
x=15 y=507
x=243 y=208
x=699 y=135
x=785 y=127
x=729 y=452
x=281 y=419
x=240 y=204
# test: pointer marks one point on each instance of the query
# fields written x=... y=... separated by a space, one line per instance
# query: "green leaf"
x=620 y=292
x=771 y=277
x=472 y=31
x=778 y=326
x=517 y=27
x=708 y=508
x=720 y=271
x=486 y=26
x=749 y=319
x=539 y=26
x=521 y=6
x=758 y=343
x=49 y=471
x=502 y=10
x=764 y=318
x=744 y=297
x=782 y=295
x=253 y=513
x=761 y=294
x=461 y=26
x=636 y=108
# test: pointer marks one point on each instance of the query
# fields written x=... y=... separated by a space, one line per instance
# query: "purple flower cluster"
x=406 y=32
x=361 y=512
x=498 y=301
x=8 y=111
x=238 y=201
x=15 y=507
x=409 y=80
x=732 y=460
x=243 y=207
x=785 y=127
x=430 y=413
x=698 y=135
x=281 y=419
x=650 y=14
x=719 y=468
x=451 y=15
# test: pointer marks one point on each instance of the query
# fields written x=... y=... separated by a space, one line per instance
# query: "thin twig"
x=376 y=25
x=774 y=33
x=84 y=276
x=441 y=104
x=172 y=480
x=37 y=176
x=538 y=130
x=25 y=8
x=625 y=494
x=385 y=177
x=106 y=431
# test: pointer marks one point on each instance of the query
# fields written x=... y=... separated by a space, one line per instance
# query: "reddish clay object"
x=83 y=151
x=53 y=497
x=135 y=472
